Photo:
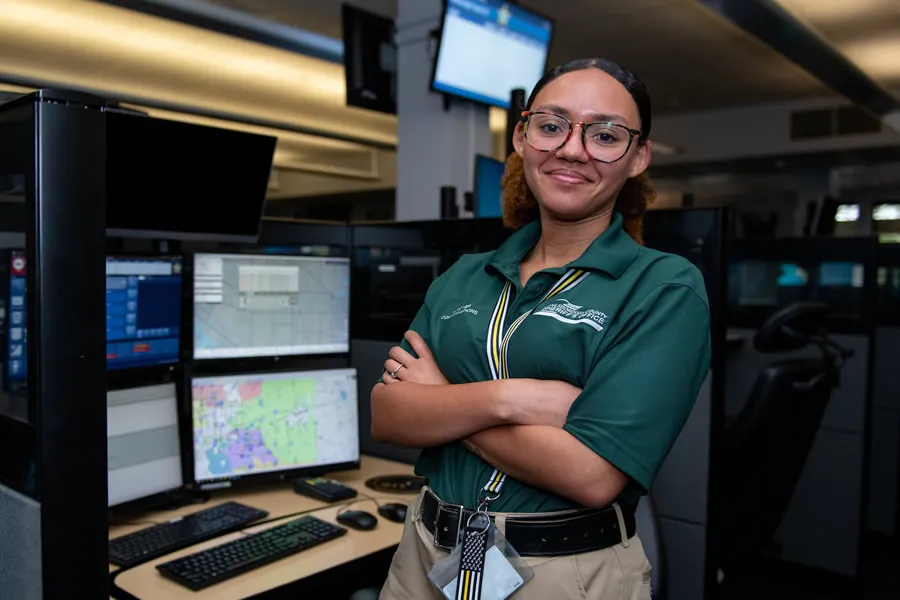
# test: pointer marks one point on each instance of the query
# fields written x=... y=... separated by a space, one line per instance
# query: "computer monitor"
x=488 y=188
x=144 y=451
x=175 y=180
x=841 y=274
x=280 y=424
x=488 y=48
x=256 y=305
x=143 y=311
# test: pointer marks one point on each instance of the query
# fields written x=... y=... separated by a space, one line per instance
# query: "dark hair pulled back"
x=519 y=204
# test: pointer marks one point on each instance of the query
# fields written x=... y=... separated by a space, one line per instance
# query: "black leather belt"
x=571 y=532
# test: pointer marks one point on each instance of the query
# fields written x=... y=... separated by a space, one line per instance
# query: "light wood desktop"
x=145 y=582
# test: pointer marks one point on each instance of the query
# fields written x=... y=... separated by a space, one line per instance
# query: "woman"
x=548 y=380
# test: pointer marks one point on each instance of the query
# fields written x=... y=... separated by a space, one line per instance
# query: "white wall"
x=749 y=131
x=437 y=147
x=296 y=184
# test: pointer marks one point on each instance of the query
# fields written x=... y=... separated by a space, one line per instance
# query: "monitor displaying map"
x=249 y=305
x=253 y=424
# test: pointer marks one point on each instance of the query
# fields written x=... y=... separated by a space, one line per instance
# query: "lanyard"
x=497 y=349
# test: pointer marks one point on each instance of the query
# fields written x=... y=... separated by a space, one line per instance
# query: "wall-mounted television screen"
x=488 y=48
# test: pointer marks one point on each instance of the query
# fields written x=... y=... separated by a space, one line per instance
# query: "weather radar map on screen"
x=269 y=305
x=259 y=423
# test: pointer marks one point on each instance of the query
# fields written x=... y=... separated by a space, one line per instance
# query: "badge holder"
x=483 y=565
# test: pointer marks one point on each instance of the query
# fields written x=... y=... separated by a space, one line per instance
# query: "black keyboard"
x=165 y=538
x=209 y=567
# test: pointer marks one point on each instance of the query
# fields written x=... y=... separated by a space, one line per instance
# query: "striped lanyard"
x=497 y=352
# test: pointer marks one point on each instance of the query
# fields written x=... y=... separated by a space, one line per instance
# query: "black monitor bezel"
x=184 y=234
x=351 y=14
x=255 y=479
x=440 y=42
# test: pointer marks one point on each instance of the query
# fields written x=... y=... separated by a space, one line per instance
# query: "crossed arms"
x=514 y=425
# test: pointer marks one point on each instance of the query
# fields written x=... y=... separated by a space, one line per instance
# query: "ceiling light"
x=886 y=212
x=876 y=56
x=828 y=12
x=847 y=213
x=135 y=57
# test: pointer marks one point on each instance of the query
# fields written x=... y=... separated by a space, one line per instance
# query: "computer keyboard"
x=209 y=567
x=162 y=539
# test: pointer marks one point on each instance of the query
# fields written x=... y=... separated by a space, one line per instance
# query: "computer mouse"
x=393 y=511
x=357 y=519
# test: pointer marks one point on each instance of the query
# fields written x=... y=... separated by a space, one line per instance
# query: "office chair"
x=769 y=443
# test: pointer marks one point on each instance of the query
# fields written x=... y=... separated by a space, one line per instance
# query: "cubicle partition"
x=822 y=526
x=884 y=448
x=685 y=492
x=52 y=410
x=393 y=266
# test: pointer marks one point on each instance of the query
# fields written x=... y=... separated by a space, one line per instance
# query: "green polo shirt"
x=629 y=325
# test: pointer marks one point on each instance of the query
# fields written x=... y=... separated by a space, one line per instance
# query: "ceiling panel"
x=689 y=57
x=319 y=16
x=867 y=32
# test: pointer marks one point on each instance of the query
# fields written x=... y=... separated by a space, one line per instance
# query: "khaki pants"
x=621 y=572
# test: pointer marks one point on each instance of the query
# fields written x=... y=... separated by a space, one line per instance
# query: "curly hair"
x=520 y=207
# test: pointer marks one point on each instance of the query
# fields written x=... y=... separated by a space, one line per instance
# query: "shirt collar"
x=611 y=252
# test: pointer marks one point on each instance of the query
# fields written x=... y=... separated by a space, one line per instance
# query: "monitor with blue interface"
x=274 y=423
x=488 y=189
x=488 y=48
x=256 y=305
x=841 y=274
x=143 y=311
x=792 y=275
x=16 y=334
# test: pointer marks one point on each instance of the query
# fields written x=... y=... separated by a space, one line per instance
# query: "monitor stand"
x=183 y=498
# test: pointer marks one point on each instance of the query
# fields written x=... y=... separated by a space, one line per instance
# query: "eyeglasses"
x=604 y=142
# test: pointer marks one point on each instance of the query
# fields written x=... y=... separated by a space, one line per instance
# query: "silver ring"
x=486 y=517
x=394 y=372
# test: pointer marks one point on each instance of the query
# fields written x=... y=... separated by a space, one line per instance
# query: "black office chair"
x=768 y=444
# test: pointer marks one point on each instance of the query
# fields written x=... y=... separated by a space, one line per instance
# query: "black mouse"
x=393 y=511
x=357 y=519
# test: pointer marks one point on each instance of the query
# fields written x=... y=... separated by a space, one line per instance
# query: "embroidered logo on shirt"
x=566 y=312
x=465 y=308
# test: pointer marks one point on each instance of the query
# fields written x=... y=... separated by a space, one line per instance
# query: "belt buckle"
x=437 y=518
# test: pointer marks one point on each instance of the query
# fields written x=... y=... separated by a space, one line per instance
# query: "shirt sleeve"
x=421 y=323
x=642 y=388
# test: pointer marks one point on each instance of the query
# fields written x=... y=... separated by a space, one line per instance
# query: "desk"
x=145 y=582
